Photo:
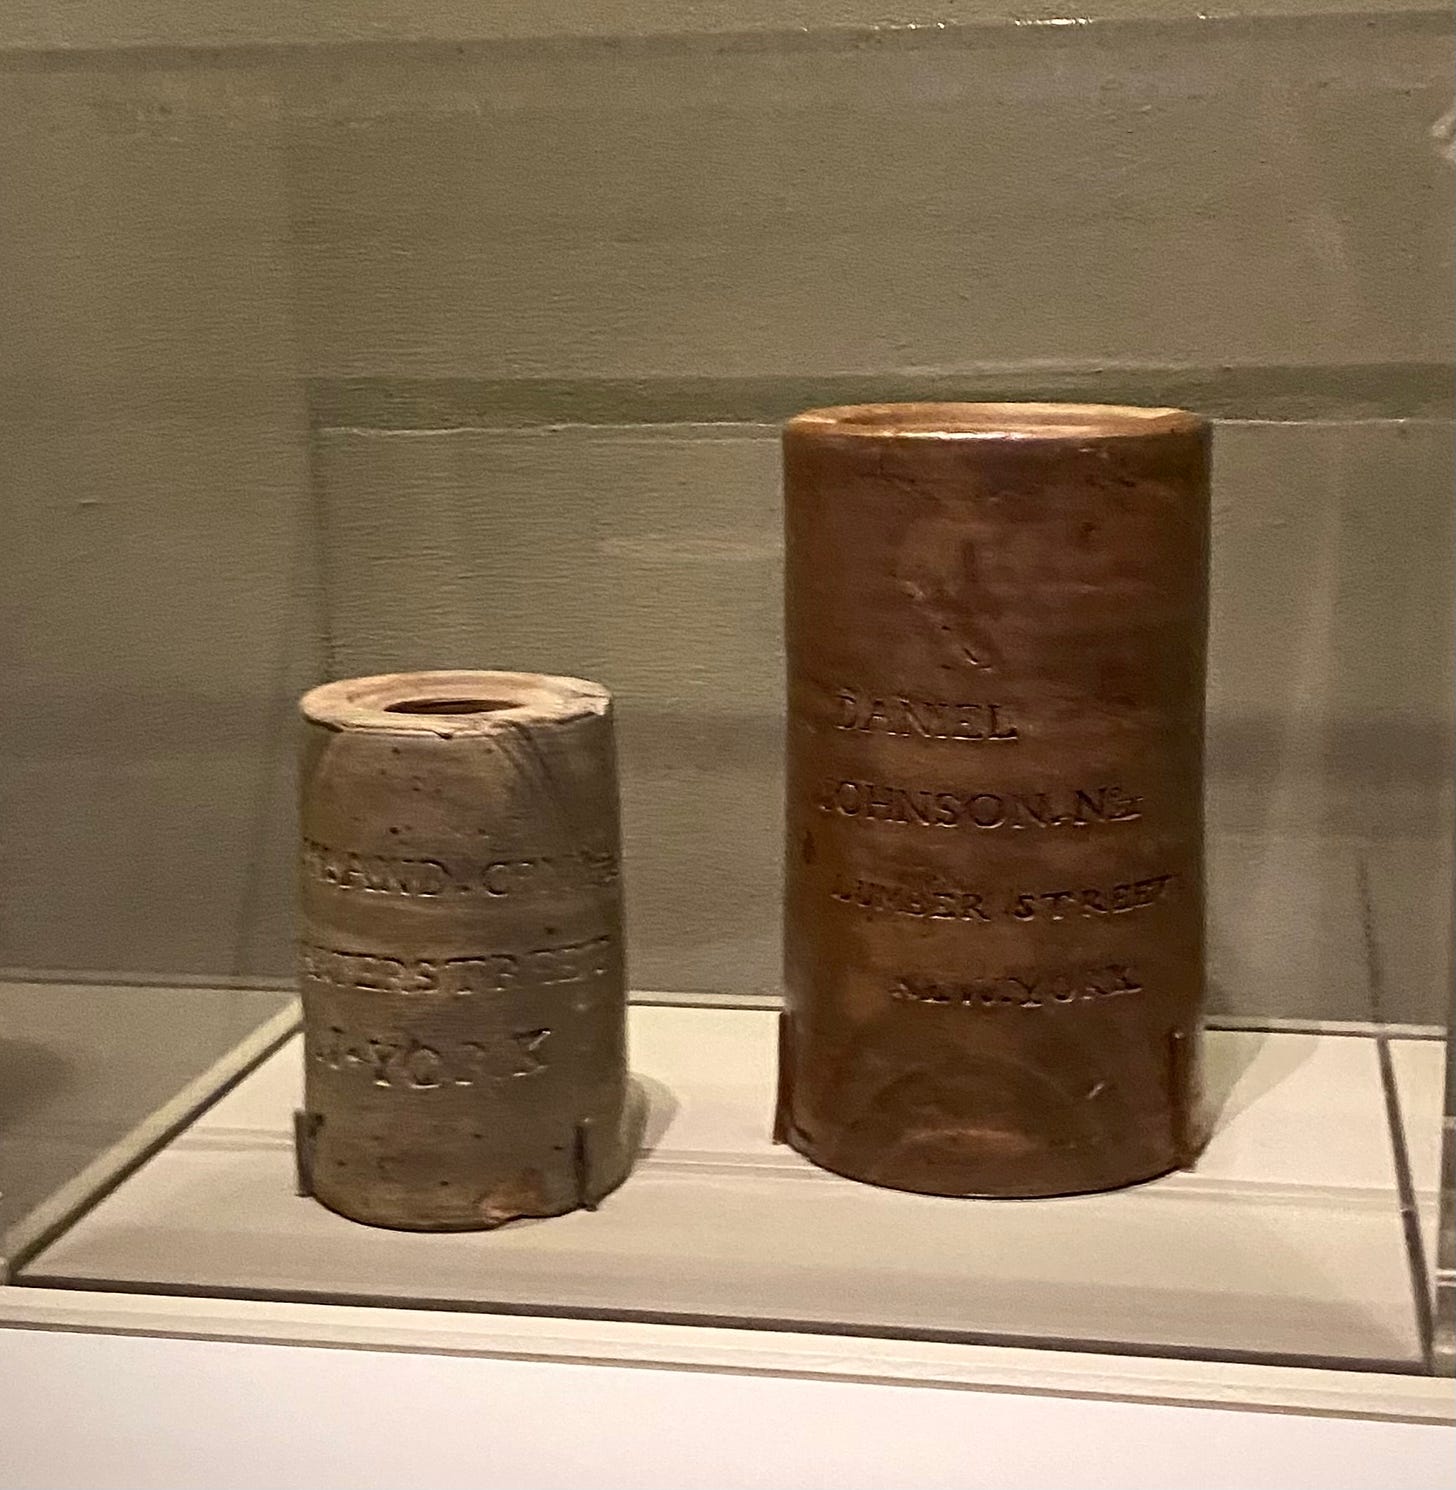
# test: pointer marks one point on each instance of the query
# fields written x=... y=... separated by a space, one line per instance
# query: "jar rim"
x=994 y=421
x=452 y=701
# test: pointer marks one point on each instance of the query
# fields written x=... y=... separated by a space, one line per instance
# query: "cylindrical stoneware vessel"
x=996 y=623
x=462 y=969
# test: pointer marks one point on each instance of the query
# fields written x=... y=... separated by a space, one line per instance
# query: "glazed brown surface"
x=996 y=622
x=461 y=958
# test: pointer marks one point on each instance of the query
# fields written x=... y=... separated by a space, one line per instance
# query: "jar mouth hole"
x=448 y=706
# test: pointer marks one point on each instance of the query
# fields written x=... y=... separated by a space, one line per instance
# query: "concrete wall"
x=442 y=334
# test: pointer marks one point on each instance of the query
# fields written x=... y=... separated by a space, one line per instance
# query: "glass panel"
x=467 y=346
x=94 y=1077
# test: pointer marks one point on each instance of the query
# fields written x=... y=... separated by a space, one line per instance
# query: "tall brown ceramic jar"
x=996 y=622
x=462 y=970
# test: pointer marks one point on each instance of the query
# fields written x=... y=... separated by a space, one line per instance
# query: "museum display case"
x=351 y=345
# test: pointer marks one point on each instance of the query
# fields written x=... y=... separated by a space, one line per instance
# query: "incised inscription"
x=905 y=716
x=927 y=807
x=939 y=902
x=404 y=1063
x=377 y=874
x=483 y=972
x=1024 y=989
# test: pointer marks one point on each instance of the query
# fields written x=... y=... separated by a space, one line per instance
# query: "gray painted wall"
x=409 y=334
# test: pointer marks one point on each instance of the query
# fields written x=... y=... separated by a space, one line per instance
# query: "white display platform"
x=1286 y=1244
x=123 y=1413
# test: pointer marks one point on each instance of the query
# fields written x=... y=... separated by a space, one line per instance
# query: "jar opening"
x=448 y=706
